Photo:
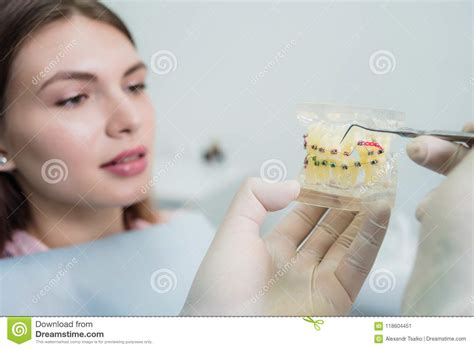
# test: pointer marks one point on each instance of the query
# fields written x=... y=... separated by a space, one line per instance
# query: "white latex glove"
x=442 y=279
x=244 y=273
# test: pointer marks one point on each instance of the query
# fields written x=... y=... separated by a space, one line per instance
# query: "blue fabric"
x=146 y=272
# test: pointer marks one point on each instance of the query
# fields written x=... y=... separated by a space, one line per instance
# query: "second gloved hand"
x=442 y=279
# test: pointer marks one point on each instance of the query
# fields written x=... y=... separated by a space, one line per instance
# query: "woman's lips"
x=128 y=163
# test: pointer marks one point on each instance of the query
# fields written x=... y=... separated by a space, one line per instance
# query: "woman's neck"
x=59 y=225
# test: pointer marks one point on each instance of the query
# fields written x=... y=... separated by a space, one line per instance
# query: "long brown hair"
x=18 y=19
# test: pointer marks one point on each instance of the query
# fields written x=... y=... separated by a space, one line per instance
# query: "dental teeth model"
x=345 y=174
x=342 y=165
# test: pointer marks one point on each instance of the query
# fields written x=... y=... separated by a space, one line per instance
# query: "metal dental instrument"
x=464 y=138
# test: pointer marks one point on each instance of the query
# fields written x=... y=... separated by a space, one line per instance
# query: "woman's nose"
x=122 y=117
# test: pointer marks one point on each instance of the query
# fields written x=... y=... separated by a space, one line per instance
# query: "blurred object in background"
x=192 y=179
x=213 y=153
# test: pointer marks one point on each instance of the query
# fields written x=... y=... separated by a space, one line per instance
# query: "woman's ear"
x=6 y=162
x=6 y=165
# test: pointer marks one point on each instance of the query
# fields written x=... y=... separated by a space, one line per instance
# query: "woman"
x=76 y=146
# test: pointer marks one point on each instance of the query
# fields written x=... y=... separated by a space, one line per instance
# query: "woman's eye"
x=137 y=88
x=72 y=101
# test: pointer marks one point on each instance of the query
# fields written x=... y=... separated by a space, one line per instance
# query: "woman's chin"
x=125 y=192
x=128 y=200
x=121 y=198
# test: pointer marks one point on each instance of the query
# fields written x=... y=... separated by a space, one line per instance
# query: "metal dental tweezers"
x=464 y=138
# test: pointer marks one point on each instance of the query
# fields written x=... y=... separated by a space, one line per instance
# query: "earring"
x=3 y=160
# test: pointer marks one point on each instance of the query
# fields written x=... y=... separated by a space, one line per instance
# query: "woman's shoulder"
x=22 y=243
x=163 y=216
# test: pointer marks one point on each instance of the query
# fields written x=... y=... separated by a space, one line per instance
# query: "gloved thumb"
x=436 y=154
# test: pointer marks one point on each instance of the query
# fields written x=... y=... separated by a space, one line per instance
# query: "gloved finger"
x=300 y=222
x=339 y=249
x=326 y=234
x=437 y=154
x=254 y=200
x=359 y=259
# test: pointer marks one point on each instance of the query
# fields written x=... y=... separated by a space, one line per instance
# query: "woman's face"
x=75 y=101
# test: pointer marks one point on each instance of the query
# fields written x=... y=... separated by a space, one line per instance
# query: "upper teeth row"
x=129 y=158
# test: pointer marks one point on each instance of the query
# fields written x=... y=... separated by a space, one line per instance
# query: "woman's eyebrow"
x=134 y=68
x=77 y=75
x=68 y=75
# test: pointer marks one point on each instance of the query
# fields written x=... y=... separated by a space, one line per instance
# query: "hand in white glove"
x=245 y=274
x=442 y=279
